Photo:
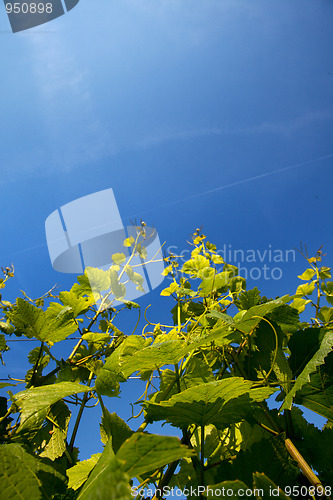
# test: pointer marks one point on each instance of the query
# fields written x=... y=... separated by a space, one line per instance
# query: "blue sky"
x=210 y=112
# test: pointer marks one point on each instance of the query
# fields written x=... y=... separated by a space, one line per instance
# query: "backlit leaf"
x=107 y=479
x=78 y=474
x=52 y=325
x=318 y=359
x=220 y=403
x=114 y=427
x=34 y=403
x=142 y=453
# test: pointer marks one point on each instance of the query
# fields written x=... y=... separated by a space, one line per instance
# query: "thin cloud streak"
x=209 y=191
x=284 y=128
x=237 y=183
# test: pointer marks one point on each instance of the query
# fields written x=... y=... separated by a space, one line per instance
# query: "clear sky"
x=203 y=112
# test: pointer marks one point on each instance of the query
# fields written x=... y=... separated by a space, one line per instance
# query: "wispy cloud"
x=67 y=131
x=284 y=128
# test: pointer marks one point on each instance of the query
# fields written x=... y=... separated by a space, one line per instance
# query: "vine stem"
x=202 y=456
x=303 y=465
x=79 y=415
x=166 y=478
x=35 y=368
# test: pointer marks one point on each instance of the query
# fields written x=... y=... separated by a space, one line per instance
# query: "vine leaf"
x=318 y=359
x=114 y=427
x=78 y=474
x=34 y=403
x=142 y=453
x=25 y=477
x=52 y=325
x=107 y=381
x=317 y=395
x=252 y=317
x=107 y=479
x=138 y=354
x=220 y=403
x=79 y=305
x=56 y=429
x=319 y=457
x=214 y=491
x=263 y=483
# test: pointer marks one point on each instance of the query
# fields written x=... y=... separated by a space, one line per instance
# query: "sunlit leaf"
x=145 y=452
x=52 y=325
x=107 y=479
x=34 y=403
x=78 y=474
x=220 y=403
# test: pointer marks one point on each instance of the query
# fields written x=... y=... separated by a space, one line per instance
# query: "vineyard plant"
x=232 y=372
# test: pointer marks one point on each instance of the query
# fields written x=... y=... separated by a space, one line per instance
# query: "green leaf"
x=34 y=403
x=318 y=359
x=213 y=492
x=303 y=345
x=197 y=372
x=267 y=487
x=317 y=395
x=225 y=318
x=299 y=304
x=107 y=381
x=79 y=305
x=217 y=259
x=325 y=273
x=3 y=345
x=136 y=354
x=327 y=288
x=267 y=455
x=129 y=241
x=142 y=453
x=287 y=318
x=306 y=289
x=267 y=354
x=99 y=280
x=83 y=288
x=254 y=315
x=326 y=314
x=194 y=265
x=249 y=298
x=118 y=289
x=78 y=474
x=119 y=258
x=319 y=457
x=156 y=355
x=134 y=277
x=114 y=427
x=97 y=340
x=307 y=275
x=6 y=384
x=212 y=281
x=58 y=420
x=23 y=476
x=52 y=325
x=165 y=350
x=220 y=403
x=170 y=289
x=7 y=328
x=142 y=251
x=237 y=285
x=107 y=479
